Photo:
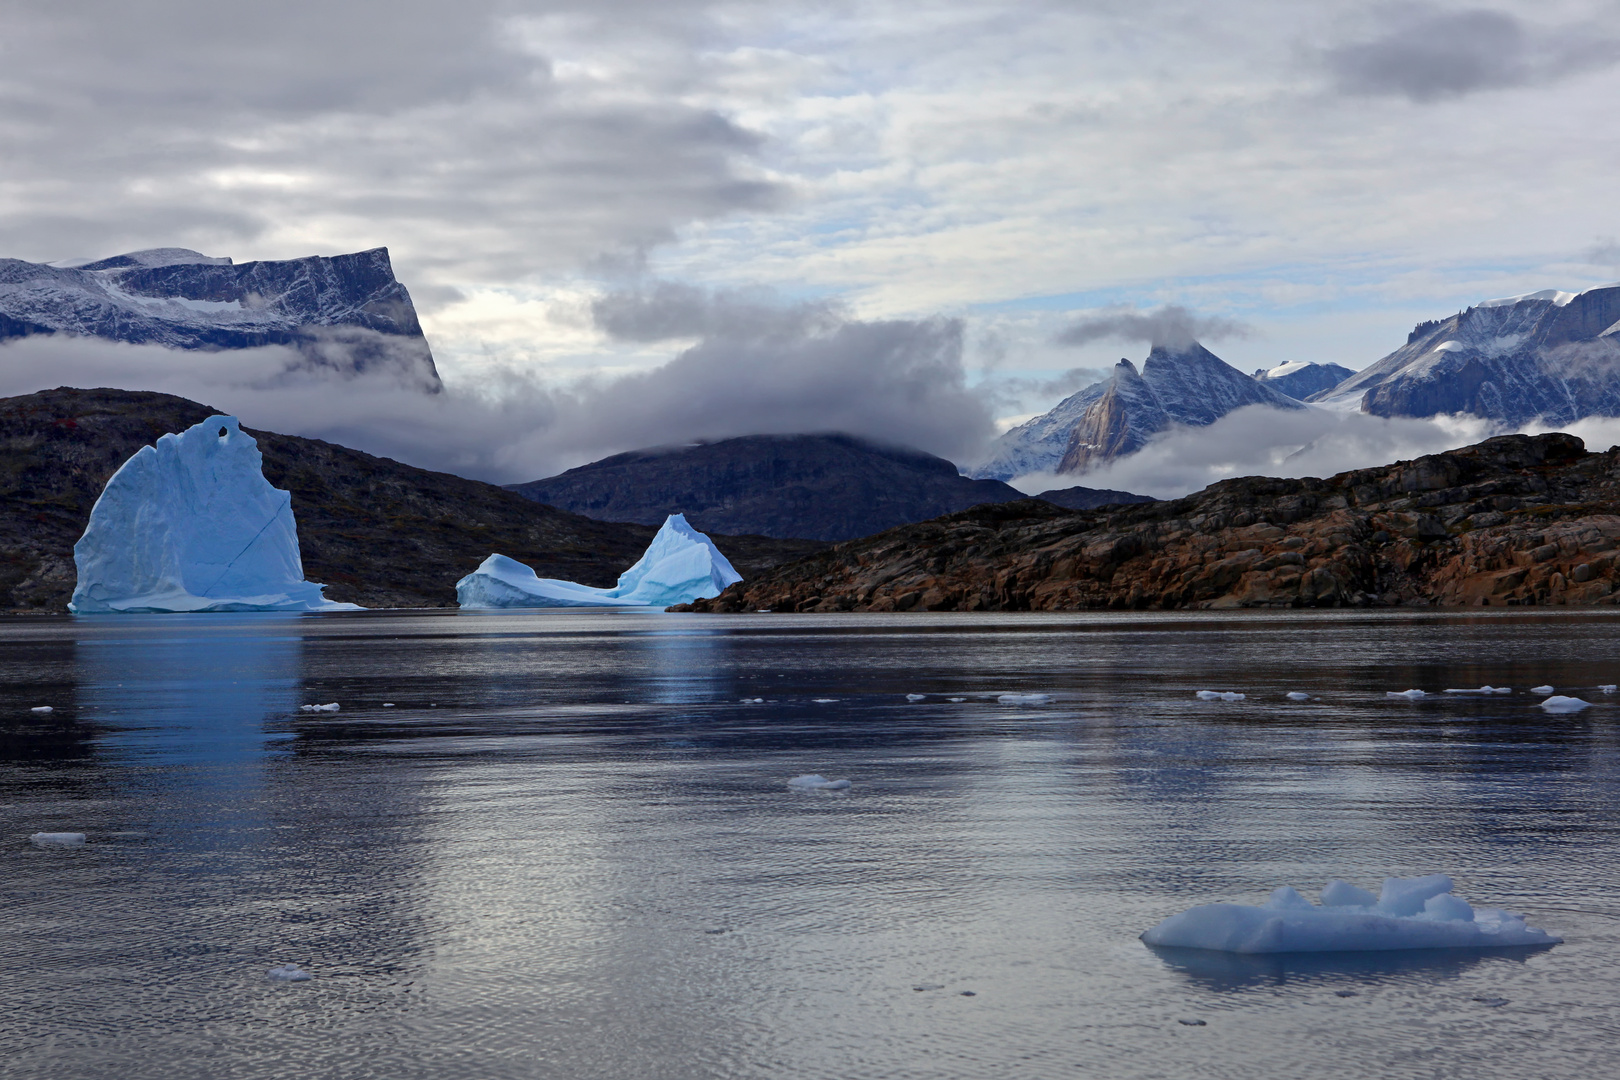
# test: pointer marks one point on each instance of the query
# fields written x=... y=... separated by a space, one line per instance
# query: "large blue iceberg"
x=681 y=565
x=191 y=524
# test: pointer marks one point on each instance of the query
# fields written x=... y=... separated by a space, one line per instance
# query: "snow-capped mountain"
x=1549 y=355
x=346 y=312
x=1181 y=385
x=1302 y=378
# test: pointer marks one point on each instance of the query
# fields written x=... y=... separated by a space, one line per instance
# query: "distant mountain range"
x=1302 y=379
x=376 y=532
x=1553 y=356
x=346 y=312
x=821 y=487
x=1185 y=384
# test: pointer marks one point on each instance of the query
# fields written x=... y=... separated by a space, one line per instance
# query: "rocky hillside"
x=1514 y=520
x=378 y=533
x=1303 y=379
x=826 y=487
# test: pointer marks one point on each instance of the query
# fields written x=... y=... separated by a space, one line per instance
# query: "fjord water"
x=569 y=849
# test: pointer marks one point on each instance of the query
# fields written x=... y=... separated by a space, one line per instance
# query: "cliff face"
x=376 y=532
x=1514 y=520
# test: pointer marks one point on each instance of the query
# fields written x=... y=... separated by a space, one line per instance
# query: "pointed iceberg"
x=191 y=524
x=681 y=565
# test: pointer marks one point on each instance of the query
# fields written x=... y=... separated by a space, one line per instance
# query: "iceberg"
x=1298 y=695
x=1409 y=695
x=191 y=524
x=1410 y=913
x=1560 y=704
x=1219 y=695
x=1024 y=699
x=57 y=839
x=288 y=973
x=680 y=565
x=817 y=782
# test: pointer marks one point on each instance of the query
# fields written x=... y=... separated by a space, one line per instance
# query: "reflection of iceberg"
x=1411 y=913
x=681 y=565
x=191 y=524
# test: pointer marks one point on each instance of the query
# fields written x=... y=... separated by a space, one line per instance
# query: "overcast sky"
x=551 y=178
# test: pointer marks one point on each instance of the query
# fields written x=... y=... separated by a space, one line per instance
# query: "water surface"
x=562 y=845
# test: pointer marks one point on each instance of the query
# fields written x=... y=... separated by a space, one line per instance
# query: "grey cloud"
x=1429 y=54
x=440 y=129
x=1605 y=251
x=1170 y=326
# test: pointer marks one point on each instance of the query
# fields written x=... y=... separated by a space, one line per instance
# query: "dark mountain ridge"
x=824 y=486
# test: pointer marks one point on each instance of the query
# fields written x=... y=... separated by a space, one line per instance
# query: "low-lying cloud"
x=756 y=368
x=1171 y=326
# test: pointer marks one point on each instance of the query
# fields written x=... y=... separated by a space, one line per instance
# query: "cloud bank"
x=1171 y=326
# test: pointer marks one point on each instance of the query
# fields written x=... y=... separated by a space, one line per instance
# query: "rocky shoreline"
x=1515 y=520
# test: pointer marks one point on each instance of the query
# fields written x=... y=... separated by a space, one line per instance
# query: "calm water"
x=569 y=850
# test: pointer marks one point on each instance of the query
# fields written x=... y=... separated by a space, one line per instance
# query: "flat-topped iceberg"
x=680 y=565
x=191 y=524
x=1411 y=913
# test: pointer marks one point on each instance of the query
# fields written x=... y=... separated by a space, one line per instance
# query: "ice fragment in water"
x=289 y=973
x=1298 y=695
x=42 y=709
x=958 y=700
x=1024 y=699
x=1607 y=688
x=1541 y=689
x=388 y=705
x=191 y=524
x=1409 y=695
x=1560 y=704
x=57 y=839
x=1410 y=913
x=1487 y=689
x=817 y=782
x=823 y=700
x=679 y=566
x=1219 y=695
x=915 y=697
x=747 y=701
x=330 y=706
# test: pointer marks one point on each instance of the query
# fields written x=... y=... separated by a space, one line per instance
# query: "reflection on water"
x=562 y=844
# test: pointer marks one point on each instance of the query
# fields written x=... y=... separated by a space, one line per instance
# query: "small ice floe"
x=752 y=700
x=1560 y=704
x=1024 y=699
x=57 y=839
x=1219 y=695
x=330 y=706
x=388 y=704
x=1298 y=695
x=288 y=973
x=957 y=700
x=42 y=709
x=915 y=697
x=823 y=700
x=1542 y=689
x=1410 y=913
x=1409 y=695
x=1487 y=689
x=817 y=782
x=1607 y=688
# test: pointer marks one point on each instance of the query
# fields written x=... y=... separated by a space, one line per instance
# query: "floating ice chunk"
x=752 y=700
x=1607 y=688
x=1219 y=695
x=823 y=700
x=1024 y=699
x=1541 y=689
x=191 y=524
x=817 y=782
x=1411 y=913
x=42 y=709
x=957 y=700
x=1560 y=704
x=57 y=839
x=915 y=697
x=1298 y=695
x=1486 y=689
x=388 y=705
x=1409 y=695
x=289 y=973
x=330 y=706
x=679 y=566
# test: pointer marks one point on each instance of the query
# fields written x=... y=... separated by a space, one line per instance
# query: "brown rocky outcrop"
x=1513 y=520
